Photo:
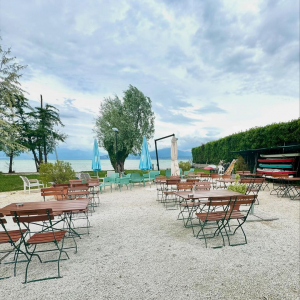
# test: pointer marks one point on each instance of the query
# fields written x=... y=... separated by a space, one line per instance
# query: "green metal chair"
x=107 y=181
x=152 y=176
x=42 y=237
x=14 y=238
x=136 y=177
x=124 y=181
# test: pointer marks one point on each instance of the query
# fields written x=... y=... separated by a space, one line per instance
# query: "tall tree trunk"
x=37 y=165
x=40 y=154
x=121 y=166
x=45 y=148
x=10 y=170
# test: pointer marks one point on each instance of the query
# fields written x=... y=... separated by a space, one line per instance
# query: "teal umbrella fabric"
x=96 y=165
x=145 y=161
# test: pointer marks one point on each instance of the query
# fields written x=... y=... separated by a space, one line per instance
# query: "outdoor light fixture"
x=116 y=130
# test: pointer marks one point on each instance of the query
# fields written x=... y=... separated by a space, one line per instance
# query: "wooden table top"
x=57 y=206
x=206 y=194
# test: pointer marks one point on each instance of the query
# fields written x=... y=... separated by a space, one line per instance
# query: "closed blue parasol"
x=96 y=165
x=145 y=161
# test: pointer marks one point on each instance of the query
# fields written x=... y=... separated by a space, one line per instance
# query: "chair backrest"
x=192 y=180
x=109 y=179
x=202 y=185
x=58 y=192
x=242 y=200
x=258 y=180
x=184 y=186
x=226 y=176
x=73 y=182
x=173 y=181
x=218 y=201
x=124 y=180
x=136 y=176
x=78 y=190
x=154 y=174
x=25 y=180
x=246 y=180
x=32 y=215
x=160 y=178
x=175 y=177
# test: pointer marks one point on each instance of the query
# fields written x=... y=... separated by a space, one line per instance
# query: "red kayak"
x=283 y=160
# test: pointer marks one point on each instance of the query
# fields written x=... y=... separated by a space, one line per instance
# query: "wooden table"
x=64 y=206
x=206 y=194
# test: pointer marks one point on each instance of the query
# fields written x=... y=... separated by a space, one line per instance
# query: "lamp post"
x=116 y=132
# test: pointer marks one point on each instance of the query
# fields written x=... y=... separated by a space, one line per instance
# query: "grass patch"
x=10 y=183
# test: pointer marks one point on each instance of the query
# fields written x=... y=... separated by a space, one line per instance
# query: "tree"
x=37 y=130
x=12 y=145
x=47 y=118
x=9 y=87
x=133 y=118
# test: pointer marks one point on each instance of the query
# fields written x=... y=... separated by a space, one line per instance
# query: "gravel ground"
x=138 y=250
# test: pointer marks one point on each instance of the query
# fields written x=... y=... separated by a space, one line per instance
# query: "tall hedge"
x=259 y=137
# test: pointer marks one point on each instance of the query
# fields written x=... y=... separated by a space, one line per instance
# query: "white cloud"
x=194 y=59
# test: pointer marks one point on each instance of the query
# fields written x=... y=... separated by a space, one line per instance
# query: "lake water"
x=27 y=165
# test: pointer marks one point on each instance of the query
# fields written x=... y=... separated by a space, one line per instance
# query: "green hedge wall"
x=259 y=137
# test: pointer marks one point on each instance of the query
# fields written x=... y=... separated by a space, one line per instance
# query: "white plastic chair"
x=31 y=183
x=220 y=170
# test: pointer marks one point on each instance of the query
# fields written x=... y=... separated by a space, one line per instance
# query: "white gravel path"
x=138 y=250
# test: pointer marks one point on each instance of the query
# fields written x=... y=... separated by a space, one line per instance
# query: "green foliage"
x=9 y=86
x=133 y=118
x=273 y=135
x=185 y=166
x=240 y=164
x=60 y=172
x=237 y=187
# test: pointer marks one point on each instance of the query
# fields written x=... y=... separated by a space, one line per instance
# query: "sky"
x=211 y=68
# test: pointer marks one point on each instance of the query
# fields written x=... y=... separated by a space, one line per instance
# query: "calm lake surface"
x=27 y=165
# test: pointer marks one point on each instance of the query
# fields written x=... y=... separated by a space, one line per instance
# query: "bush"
x=60 y=172
x=237 y=187
x=185 y=166
x=259 y=137
x=240 y=164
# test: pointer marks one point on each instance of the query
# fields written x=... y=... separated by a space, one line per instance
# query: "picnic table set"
x=212 y=211
x=48 y=226
x=203 y=202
